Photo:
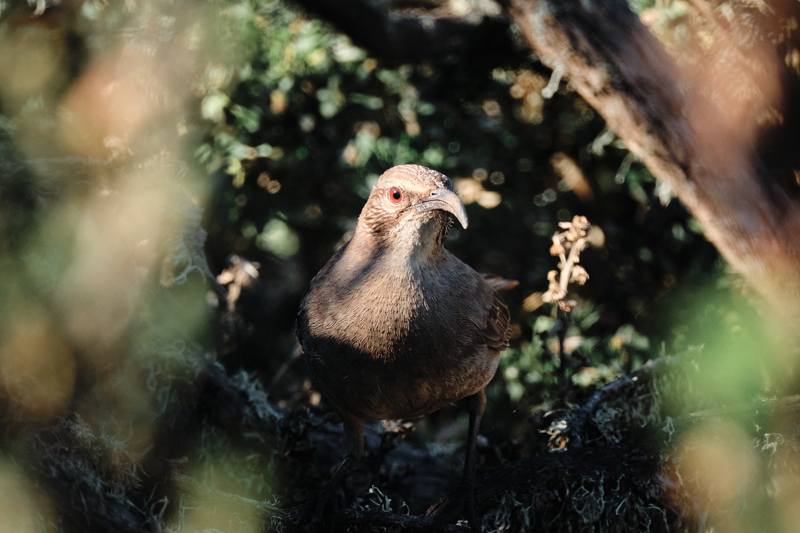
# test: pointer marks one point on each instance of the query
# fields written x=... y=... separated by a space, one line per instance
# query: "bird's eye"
x=395 y=194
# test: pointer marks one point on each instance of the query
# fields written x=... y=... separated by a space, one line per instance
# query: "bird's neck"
x=406 y=252
x=375 y=289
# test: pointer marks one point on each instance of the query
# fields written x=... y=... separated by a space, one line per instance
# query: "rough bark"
x=683 y=137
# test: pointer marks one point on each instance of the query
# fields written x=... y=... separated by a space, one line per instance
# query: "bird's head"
x=413 y=205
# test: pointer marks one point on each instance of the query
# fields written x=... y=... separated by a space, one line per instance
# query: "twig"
x=563 y=319
x=555 y=80
x=297 y=353
x=577 y=418
x=786 y=403
x=390 y=519
x=419 y=36
x=263 y=506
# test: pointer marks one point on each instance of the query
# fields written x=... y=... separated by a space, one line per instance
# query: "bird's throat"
x=414 y=242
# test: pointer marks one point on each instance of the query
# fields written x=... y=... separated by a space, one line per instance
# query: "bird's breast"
x=391 y=341
x=377 y=319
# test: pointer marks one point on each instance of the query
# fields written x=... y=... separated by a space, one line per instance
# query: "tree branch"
x=681 y=135
x=417 y=36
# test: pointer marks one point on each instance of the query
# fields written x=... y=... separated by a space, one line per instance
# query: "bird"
x=394 y=326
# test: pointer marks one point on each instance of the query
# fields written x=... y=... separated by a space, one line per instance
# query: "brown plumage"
x=394 y=325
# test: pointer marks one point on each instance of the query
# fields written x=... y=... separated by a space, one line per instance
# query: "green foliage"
x=530 y=370
x=274 y=137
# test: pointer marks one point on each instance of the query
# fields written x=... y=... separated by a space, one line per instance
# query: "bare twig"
x=418 y=35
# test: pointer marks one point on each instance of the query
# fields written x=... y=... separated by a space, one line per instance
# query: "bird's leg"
x=354 y=437
x=354 y=429
x=476 y=405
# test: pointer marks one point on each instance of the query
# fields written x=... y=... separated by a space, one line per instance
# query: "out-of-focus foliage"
x=138 y=139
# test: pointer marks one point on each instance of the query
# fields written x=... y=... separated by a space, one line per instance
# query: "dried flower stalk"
x=240 y=274
x=568 y=243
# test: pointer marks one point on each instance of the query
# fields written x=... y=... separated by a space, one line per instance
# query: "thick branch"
x=417 y=36
x=683 y=137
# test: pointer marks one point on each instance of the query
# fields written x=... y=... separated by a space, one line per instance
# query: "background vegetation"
x=172 y=177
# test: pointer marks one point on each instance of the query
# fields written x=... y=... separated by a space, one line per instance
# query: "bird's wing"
x=497 y=331
x=301 y=326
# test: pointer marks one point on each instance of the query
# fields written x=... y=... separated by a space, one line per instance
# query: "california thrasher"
x=394 y=325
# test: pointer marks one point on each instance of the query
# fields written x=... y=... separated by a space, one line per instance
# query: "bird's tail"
x=500 y=284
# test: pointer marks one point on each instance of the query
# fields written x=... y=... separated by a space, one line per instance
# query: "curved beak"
x=445 y=200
